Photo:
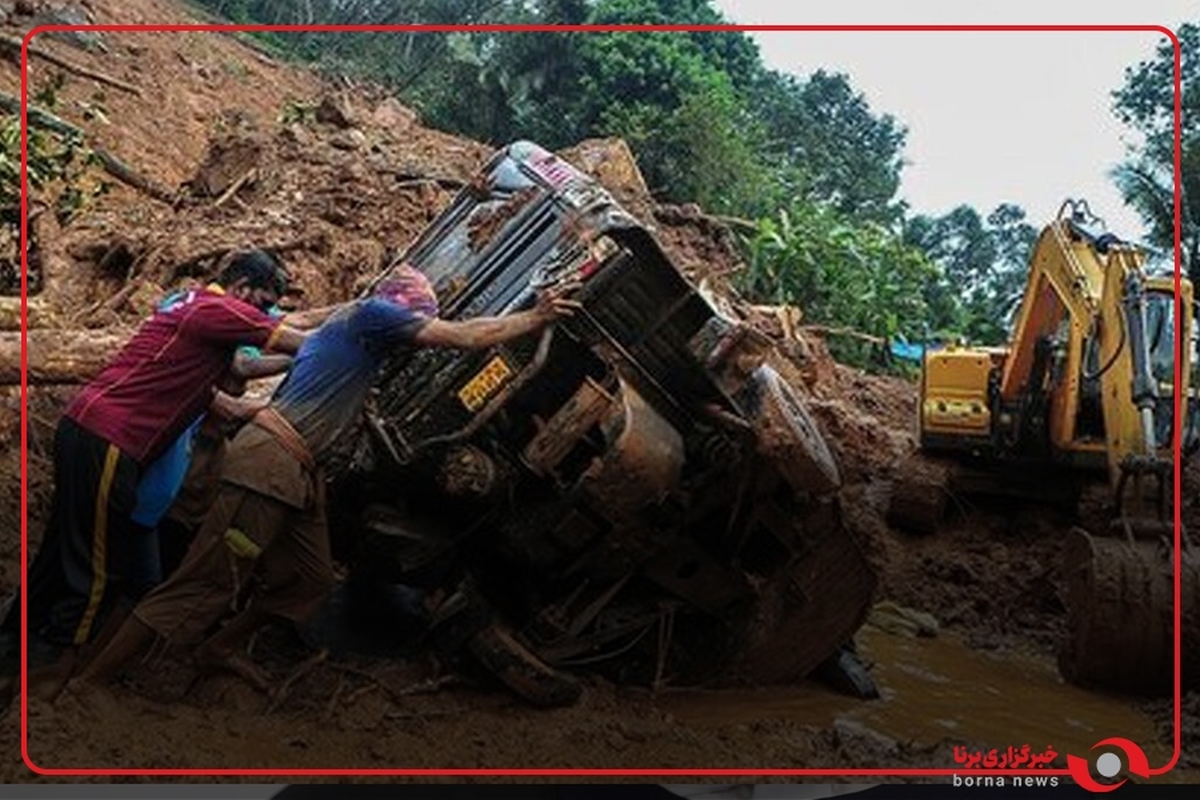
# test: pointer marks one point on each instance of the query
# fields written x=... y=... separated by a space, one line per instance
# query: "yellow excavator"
x=1087 y=389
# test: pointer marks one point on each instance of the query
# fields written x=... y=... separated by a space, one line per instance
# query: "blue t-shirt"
x=163 y=478
x=337 y=365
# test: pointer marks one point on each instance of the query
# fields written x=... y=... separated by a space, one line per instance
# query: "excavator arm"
x=1099 y=358
x=1088 y=338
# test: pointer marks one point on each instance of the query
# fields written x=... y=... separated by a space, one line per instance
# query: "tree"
x=830 y=146
x=984 y=264
x=1146 y=179
x=841 y=272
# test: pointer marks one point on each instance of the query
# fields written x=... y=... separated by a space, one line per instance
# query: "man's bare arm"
x=264 y=366
x=479 y=333
x=483 y=332
x=285 y=339
x=310 y=318
x=235 y=408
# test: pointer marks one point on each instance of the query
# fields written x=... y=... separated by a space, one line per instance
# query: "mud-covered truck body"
x=631 y=489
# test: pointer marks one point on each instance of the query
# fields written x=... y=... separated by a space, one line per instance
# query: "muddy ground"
x=341 y=178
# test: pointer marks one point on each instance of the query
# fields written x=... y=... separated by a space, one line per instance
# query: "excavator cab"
x=1161 y=357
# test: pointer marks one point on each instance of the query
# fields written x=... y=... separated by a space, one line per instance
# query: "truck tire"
x=521 y=671
x=789 y=438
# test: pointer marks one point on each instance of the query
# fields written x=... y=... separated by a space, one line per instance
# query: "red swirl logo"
x=1108 y=764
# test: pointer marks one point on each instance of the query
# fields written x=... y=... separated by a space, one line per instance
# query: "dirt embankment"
x=339 y=179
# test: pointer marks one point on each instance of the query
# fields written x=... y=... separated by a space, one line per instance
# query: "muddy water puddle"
x=939 y=690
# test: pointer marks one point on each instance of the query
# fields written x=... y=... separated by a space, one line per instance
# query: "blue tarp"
x=906 y=350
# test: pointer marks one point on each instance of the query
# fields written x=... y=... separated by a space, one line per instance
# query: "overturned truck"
x=632 y=491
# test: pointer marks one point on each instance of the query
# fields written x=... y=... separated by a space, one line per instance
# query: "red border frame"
x=641 y=772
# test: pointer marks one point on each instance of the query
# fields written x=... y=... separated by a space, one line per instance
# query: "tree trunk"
x=71 y=356
x=37 y=313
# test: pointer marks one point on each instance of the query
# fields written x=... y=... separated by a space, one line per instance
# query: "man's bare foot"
x=237 y=664
x=47 y=681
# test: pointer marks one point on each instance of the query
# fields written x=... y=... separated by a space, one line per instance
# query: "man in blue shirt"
x=269 y=517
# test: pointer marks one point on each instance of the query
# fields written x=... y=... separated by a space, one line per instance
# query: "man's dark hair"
x=260 y=269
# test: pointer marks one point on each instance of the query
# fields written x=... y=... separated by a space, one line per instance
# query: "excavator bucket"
x=1120 y=598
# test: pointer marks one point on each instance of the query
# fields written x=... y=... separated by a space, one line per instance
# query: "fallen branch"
x=113 y=303
x=12 y=48
x=421 y=687
x=825 y=330
x=307 y=666
x=361 y=691
x=196 y=265
x=679 y=215
x=235 y=186
x=129 y=176
x=411 y=179
x=333 y=698
x=736 y=221
x=426 y=687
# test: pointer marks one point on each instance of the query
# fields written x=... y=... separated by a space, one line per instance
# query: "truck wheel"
x=789 y=438
x=525 y=674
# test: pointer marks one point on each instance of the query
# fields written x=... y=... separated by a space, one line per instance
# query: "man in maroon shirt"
x=157 y=385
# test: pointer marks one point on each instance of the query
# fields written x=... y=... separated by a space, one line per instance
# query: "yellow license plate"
x=485 y=383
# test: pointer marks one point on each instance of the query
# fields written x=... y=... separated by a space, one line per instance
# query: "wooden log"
x=37 y=313
x=131 y=177
x=59 y=356
x=12 y=49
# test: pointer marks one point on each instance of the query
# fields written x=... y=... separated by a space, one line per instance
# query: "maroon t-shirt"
x=163 y=378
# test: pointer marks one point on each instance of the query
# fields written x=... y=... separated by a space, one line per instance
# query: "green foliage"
x=1147 y=177
x=47 y=95
x=842 y=273
x=297 y=111
x=829 y=146
x=56 y=169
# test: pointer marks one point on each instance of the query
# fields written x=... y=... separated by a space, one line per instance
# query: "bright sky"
x=992 y=117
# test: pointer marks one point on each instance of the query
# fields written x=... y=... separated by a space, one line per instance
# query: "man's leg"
x=179 y=527
x=71 y=580
x=295 y=573
x=208 y=581
x=76 y=576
